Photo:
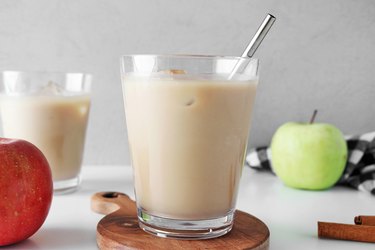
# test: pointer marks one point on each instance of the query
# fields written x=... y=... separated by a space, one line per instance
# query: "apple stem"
x=313 y=116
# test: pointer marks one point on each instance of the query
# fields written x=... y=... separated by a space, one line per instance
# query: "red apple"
x=26 y=190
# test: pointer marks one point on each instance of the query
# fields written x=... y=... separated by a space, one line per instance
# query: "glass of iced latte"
x=51 y=111
x=188 y=121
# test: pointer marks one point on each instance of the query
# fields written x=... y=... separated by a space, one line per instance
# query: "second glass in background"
x=50 y=110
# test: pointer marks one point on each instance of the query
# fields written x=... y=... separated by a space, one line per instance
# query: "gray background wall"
x=319 y=54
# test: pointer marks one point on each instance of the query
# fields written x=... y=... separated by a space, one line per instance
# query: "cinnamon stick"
x=340 y=231
x=365 y=220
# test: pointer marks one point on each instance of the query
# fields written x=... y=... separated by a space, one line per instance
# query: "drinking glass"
x=188 y=120
x=50 y=110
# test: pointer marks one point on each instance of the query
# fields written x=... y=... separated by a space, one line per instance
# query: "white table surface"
x=290 y=214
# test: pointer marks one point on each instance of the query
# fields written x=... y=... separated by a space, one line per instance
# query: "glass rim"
x=187 y=56
x=44 y=72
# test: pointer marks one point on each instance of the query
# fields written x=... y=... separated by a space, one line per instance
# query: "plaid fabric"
x=359 y=172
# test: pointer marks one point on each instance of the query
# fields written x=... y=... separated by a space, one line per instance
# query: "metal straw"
x=256 y=41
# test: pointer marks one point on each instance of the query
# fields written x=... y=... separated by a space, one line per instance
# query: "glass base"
x=66 y=186
x=185 y=229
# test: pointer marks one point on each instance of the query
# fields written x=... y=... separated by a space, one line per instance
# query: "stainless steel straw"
x=256 y=41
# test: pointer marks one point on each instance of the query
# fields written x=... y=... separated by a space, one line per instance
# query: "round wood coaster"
x=119 y=229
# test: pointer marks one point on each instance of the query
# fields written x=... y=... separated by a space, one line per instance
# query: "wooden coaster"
x=119 y=229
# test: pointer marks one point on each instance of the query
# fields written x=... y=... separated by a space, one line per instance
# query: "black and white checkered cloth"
x=359 y=172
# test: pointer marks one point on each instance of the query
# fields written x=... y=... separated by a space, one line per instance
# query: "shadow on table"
x=57 y=238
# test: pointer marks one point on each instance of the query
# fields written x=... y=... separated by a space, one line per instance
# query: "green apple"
x=308 y=155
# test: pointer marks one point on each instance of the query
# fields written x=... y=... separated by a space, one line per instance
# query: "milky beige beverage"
x=187 y=140
x=56 y=124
